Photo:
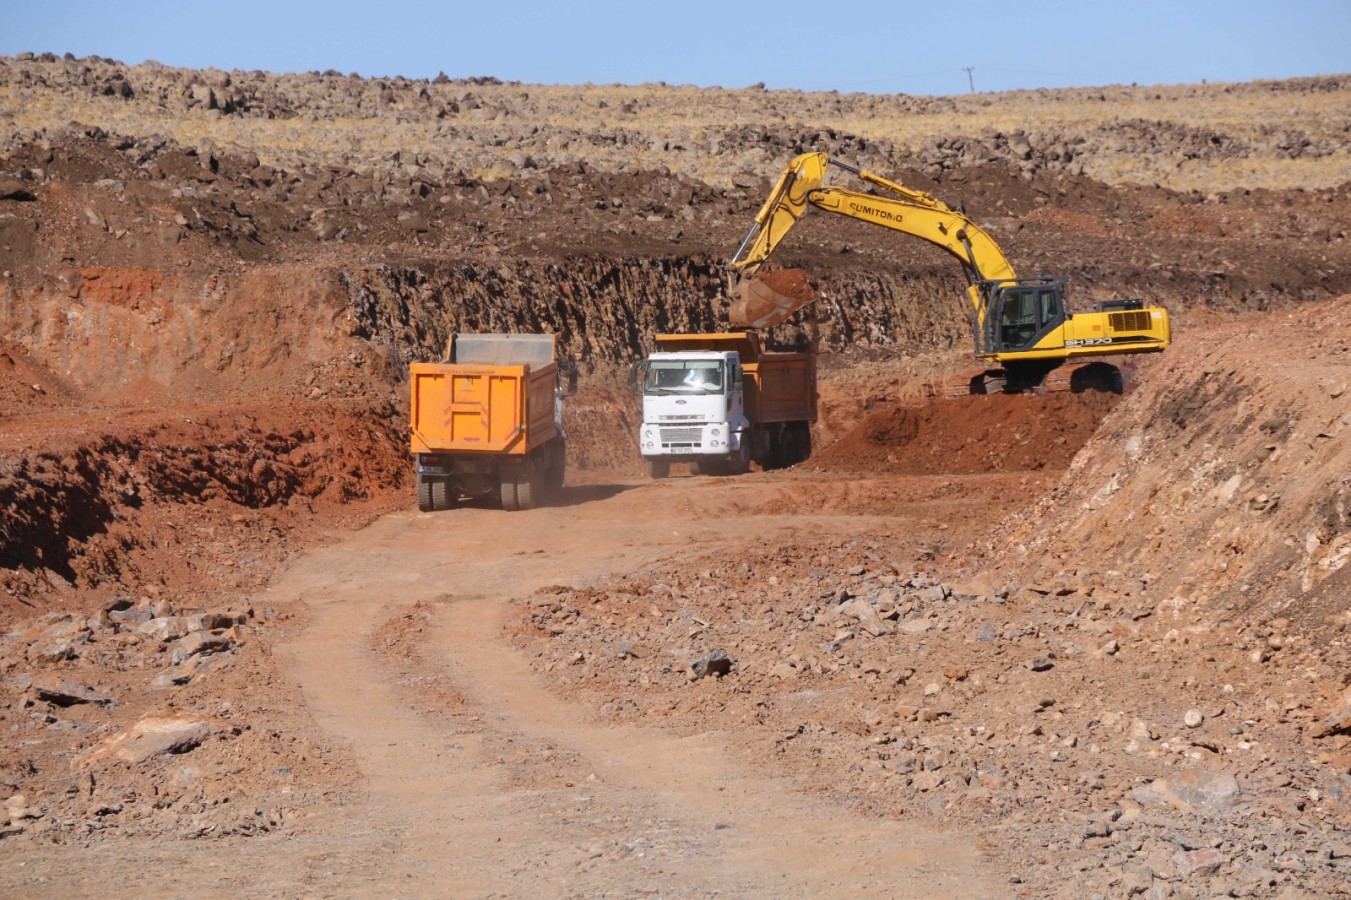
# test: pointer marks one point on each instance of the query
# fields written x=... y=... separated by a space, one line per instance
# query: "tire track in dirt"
x=519 y=793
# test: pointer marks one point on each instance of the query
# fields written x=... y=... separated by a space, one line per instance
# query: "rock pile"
x=119 y=704
x=1094 y=724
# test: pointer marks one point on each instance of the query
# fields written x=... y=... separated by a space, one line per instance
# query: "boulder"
x=156 y=735
x=868 y=618
x=1192 y=789
x=67 y=693
x=715 y=663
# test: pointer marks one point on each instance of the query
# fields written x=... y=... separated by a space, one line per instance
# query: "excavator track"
x=1076 y=378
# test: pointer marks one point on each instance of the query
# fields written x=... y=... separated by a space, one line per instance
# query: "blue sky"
x=867 y=46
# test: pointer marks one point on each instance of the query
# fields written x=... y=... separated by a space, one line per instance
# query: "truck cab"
x=721 y=401
x=694 y=411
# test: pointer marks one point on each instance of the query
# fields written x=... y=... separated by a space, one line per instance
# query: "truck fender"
x=744 y=431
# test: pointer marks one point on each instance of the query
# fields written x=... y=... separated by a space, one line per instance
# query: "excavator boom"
x=758 y=304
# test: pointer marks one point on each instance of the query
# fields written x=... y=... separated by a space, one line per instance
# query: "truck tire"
x=425 y=501
x=803 y=432
x=739 y=464
x=557 y=469
x=529 y=482
x=528 y=488
x=659 y=468
x=507 y=492
x=442 y=498
x=774 y=440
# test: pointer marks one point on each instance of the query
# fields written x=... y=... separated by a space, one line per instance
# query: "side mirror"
x=637 y=375
x=567 y=378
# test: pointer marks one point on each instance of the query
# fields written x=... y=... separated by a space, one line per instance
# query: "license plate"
x=430 y=470
x=680 y=450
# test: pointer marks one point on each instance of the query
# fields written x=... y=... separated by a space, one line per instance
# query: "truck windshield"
x=683 y=377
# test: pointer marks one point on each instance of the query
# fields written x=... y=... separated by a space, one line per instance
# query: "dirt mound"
x=996 y=433
x=27 y=386
x=211 y=499
x=1236 y=447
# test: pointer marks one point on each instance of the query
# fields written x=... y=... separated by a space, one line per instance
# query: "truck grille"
x=681 y=435
x=1129 y=321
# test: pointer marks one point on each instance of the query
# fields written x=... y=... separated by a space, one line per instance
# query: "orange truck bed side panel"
x=482 y=409
x=784 y=388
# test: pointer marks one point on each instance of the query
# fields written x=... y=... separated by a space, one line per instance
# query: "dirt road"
x=512 y=792
x=476 y=781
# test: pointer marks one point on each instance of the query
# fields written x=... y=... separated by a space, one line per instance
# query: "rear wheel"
x=441 y=496
x=527 y=492
x=557 y=470
x=803 y=433
x=507 y=492
x=776 y=439
x=528 y=486
x=796 y=445
x=659 y=468
x=425 y=501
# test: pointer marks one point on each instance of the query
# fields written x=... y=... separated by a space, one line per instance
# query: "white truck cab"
x=720 y=402
x=694 y=411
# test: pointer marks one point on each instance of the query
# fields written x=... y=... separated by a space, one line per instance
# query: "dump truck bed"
x=496 y=394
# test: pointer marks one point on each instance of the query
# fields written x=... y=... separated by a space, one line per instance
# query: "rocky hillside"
x=1282 y=134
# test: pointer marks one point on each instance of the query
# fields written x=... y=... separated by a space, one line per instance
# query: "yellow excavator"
x=1023 y=328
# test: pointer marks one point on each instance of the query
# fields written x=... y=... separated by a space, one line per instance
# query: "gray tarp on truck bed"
x=501 y=349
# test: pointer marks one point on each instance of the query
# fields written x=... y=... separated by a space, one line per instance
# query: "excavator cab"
x=1019 y=313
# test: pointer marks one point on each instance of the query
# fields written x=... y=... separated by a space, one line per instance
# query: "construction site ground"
x=1047 y=645
x=485 y=703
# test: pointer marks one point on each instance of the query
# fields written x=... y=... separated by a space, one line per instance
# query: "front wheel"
x=739 y=463
x=659 y=468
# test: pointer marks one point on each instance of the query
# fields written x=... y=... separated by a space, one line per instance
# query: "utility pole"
x=970 y=79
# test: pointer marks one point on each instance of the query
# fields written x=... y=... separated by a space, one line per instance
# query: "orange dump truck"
x=487 y=421
x=721 y=401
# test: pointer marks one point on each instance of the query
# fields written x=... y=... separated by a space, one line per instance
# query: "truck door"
x=736 y=394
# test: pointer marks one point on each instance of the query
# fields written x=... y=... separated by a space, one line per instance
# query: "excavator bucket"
x=769 y=298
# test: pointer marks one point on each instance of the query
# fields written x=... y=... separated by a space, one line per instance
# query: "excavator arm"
x=900 y=209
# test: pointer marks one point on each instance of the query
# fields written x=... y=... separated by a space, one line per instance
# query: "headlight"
x=716 y=432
